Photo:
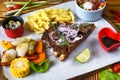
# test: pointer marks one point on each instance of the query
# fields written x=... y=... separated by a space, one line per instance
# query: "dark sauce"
x=108 y=41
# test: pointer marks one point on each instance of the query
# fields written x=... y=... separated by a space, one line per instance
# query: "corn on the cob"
x=20 y=67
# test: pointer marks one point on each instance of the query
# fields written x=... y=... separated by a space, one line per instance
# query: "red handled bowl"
x=13 y=33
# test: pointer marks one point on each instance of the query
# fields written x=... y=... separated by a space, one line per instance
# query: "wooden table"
x=107 y=15
x=112 y=5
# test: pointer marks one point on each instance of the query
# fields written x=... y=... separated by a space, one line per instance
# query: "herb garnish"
x=118 y=26
x=80 y=25
x=65 y=42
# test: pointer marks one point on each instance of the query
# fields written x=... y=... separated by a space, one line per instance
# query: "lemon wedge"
x=83 y=56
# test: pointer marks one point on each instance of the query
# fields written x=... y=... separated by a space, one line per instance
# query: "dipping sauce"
x=108 y=41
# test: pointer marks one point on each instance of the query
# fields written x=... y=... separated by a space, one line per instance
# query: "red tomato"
x=10 y=8
x=5 y=64
x=116 y=67
x=101 y=4
x=31 y=57
x=79 y=2
x=17 y=6
x=41 y=57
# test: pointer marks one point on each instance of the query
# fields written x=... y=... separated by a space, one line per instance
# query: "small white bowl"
x=89 y=15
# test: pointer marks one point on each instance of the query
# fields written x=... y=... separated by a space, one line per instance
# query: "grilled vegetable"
x=6 y=44
x=31 y=47
x=8 y=56
x=41 y=57
x=21 y=40
x=22 y=49
x=39 y=47
x=20 y=67
x=31 y=57
x=40 y=67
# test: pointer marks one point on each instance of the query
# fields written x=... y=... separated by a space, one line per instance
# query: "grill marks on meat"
x=63 y=51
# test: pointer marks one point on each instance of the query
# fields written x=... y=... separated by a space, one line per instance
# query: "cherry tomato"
x=79 y=2
x=116 y=67
x=17 y=6
x=101 y=4
x=10 y=8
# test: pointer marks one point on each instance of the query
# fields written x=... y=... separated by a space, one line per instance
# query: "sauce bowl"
x=109 y=39
x=13 y=33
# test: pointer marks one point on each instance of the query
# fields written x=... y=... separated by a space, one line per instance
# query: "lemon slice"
x=83 y=56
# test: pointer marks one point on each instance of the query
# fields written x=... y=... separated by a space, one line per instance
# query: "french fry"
x=39 y=21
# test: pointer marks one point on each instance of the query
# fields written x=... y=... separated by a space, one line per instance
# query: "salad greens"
x=108 y=75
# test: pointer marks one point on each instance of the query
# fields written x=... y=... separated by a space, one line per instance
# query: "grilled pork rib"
x=64 y=38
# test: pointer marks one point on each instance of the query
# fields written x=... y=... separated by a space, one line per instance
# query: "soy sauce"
x=108 y=41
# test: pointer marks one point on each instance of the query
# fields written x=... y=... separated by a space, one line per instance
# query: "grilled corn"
x=20 y=67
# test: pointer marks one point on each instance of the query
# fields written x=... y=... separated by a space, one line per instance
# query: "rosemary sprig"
x=80 y=25
x=18 y=12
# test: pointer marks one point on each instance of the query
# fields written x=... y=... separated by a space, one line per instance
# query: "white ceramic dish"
x=89 y=15
x=70 y=68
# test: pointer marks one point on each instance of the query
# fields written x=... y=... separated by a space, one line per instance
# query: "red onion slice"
x=72 y=33
x=75 y=39
x=63 y=29
x=50 y=35
x=57 y=42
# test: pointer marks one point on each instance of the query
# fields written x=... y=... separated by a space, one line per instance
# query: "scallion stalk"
x=10 y=12
x=23 y=3
x=28 y=7
x=17 y=13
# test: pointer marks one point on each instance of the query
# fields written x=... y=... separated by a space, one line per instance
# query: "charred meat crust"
x=63 y=51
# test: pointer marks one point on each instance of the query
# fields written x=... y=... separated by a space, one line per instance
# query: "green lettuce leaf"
x=108 y=75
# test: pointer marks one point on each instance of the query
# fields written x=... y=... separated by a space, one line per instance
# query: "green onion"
x=16 y=14
x=10 y=12
x=23 y=3
x=29 y=7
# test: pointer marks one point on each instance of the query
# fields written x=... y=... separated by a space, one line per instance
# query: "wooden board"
x=112 y=5
x=4 y=9
x=107 y=15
